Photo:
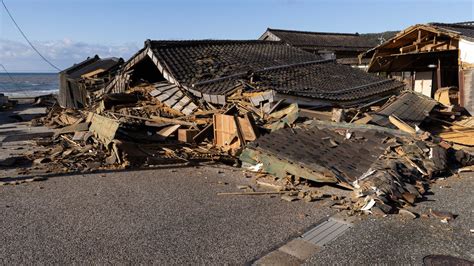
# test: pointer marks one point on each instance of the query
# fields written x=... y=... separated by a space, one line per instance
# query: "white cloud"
x=19 y=57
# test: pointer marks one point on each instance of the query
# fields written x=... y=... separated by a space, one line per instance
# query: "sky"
x=68 y=31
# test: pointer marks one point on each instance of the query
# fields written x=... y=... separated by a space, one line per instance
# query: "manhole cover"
x=435 y=260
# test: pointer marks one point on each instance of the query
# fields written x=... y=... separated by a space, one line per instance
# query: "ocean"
x=28 y=84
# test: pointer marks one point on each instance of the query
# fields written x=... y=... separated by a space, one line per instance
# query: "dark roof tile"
x=325 y=80
x=412 y=108
x=312 y=148
x=197 y=61
x=463 y=28
x=341 y=41
x=215 y=68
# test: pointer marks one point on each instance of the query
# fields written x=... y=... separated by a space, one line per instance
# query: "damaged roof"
x=197 y=61
x=450 y=30
x=324 y=79
x=213 y=68
x=92 y=64
x=328 y=40
x=325 y=151
x=462 y=28
x=78 y=66
x=411 y=107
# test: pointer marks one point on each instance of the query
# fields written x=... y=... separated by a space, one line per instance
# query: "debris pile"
x=284 y=113
x=6 y=103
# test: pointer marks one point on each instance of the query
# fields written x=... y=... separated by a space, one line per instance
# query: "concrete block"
x=278 y=257
x=300 y=248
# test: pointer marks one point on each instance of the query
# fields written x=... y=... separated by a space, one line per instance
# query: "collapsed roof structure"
x=345 y=47
x=212 y=70
x=429 y=57
x=95 y=71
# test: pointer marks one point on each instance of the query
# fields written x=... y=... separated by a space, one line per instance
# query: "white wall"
x=424 y=82
x=466 y=49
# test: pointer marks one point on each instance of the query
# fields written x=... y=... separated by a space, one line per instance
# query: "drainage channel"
x=326 y=231
x=301 y=248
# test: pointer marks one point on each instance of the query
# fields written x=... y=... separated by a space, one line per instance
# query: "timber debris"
x=293 y=123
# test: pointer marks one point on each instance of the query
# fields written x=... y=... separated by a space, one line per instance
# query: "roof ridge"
x=465 y=25
x=81 y=64
x=208 y=41
x=265 y=69
x=315 y=32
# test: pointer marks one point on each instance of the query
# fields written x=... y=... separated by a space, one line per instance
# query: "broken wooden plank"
x=238 y=128
x=72 y=128
x=321 y=115
x=225 y=132
x=364 y=120
x=207 y=132
x=253 y=193
x=248 y=128
x=172 y=120
x=401 y=125
x=286 y=117
x=167 y=131
x=187 y=135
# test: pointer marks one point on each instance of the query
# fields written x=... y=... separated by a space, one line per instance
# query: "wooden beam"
x=438 y=75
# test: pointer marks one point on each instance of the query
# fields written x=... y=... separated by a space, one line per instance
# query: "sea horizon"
x=28 y=84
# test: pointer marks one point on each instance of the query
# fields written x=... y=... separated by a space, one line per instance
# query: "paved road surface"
x=174 y=216
x=152 y=216
x=394 y=240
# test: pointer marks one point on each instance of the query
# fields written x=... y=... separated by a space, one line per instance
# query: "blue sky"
x=67 y=31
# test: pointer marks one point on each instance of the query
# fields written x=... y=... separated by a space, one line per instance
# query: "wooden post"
x=438 y=75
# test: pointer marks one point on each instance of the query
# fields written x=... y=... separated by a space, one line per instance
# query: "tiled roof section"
x=463 y=28
x=173 y=97
x=197 y=61
x=328 y=81
x=314 y=149
x=324 y=80
x=410 y=107
x=327 y=40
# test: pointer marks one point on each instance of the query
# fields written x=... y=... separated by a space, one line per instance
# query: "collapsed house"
x=266 y=106
x=213 y=71
x=78 y=82
x=429 y=57
x=345 y=47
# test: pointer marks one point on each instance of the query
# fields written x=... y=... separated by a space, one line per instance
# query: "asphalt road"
x=170 y=216
x=173 y=216
x=400 y=241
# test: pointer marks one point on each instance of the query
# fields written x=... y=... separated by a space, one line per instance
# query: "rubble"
x=160 y=108
x=5 y=102
x=444 y=216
